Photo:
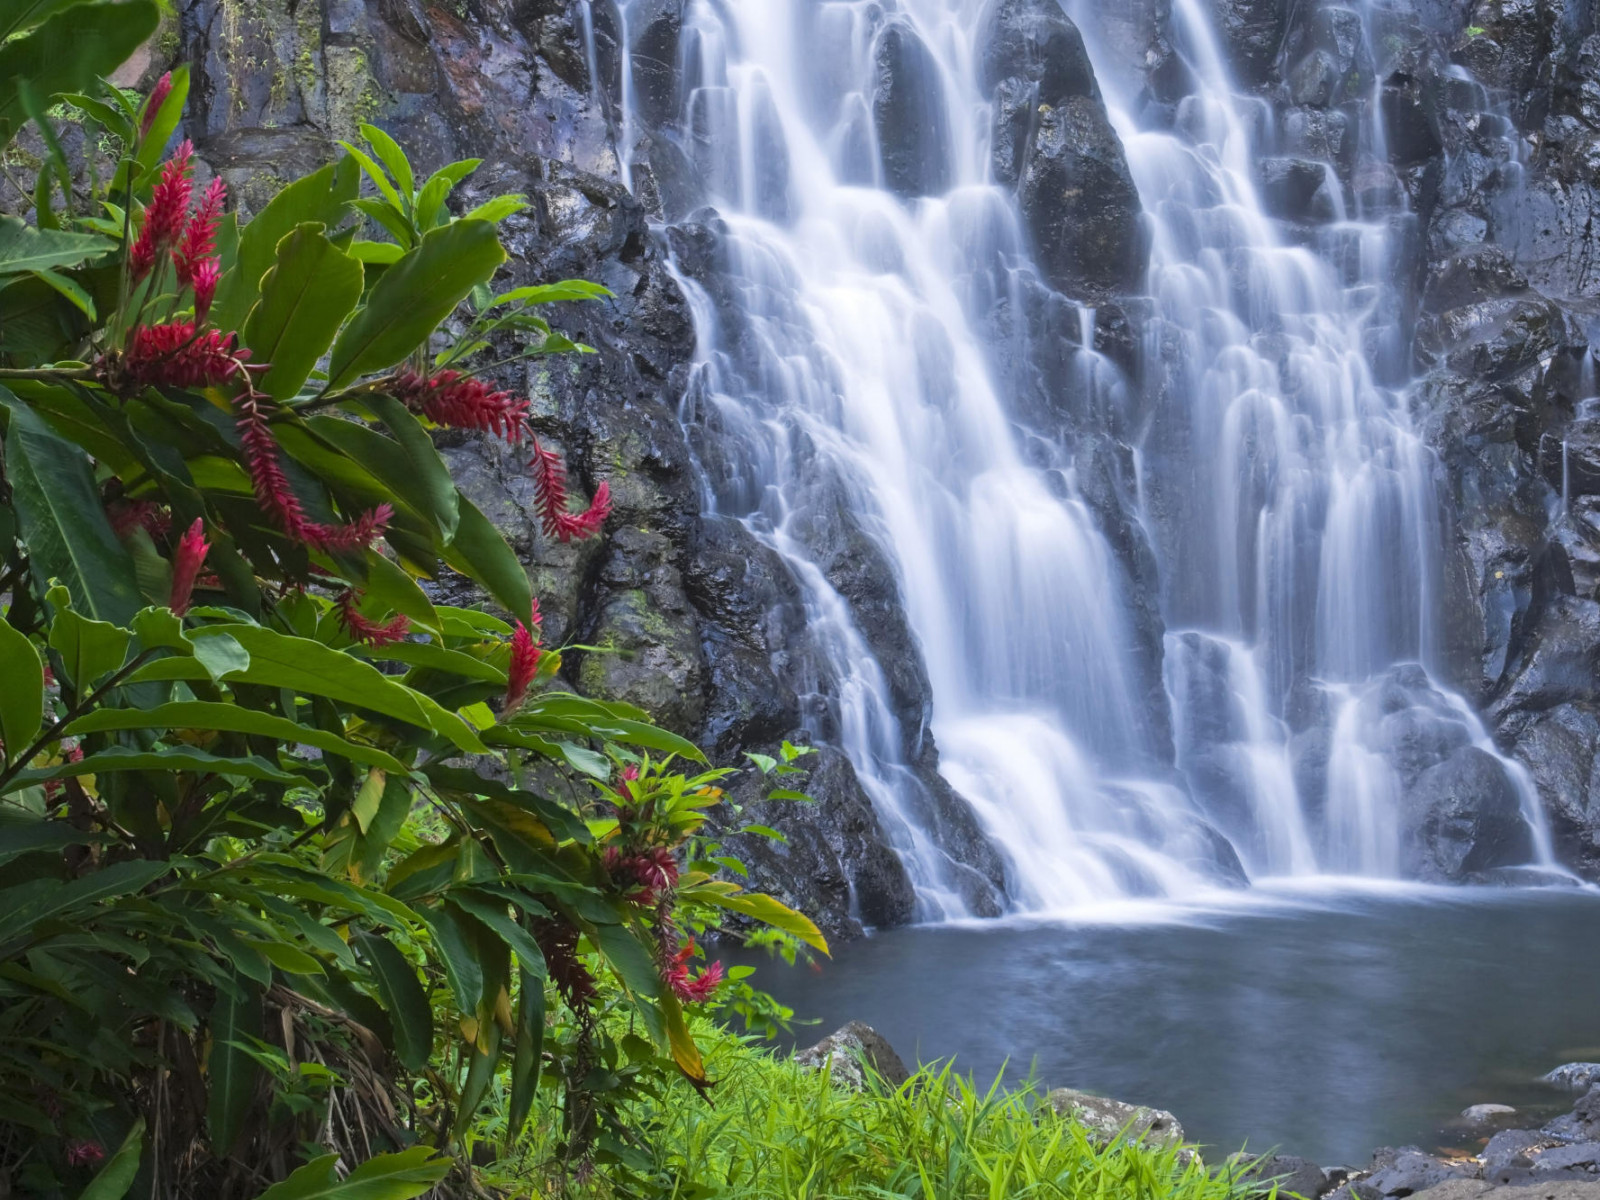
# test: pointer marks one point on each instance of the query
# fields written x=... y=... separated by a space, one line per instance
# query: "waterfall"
x=849 y=406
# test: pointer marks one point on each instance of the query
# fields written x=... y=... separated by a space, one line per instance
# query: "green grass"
x=772 y=1131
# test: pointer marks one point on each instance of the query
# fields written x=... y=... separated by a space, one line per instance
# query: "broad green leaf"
x=88 y=649
x=25 y=14
x=480 y=552
x=166 y=760
x=389 y=585
x=25 y=905
x=232 y=1073
x=436 y=658
x=377 y=253
x=414 y=296
x=455 y=937
x=115 y=1178
x=498 y=209
x=68 y=52
x=368 y=797
x=387 y=1177
x=403 y=999
x=70 y=288
x=492 y=911
x=481 y=1064
x=389 y=152
x=430 y=489
x=551 y=293
x=233 y=718
x=24 y=836
x=305 y=297
x=379 y=178
x=62 y=520
x=277 y=660
x=323 y=197
x=764 y=909
x=526 y=1064
x=22 y=695
x=430 y=201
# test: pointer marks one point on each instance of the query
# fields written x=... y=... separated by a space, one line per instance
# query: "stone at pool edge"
x=845 y=1049
x=1574 y=1076
x=1483 y=1114
x=1291 y=1175
x=1479 y=1189
x=1104 y=1118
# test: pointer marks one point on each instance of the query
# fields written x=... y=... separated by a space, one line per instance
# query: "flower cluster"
x=364 y=629
x=84 y=1153
x=176 y=354
x=558 y=941
x=550 y=494
x=127 y=515
x=277 y=499
x=700 y=987
x=653 y=872
x=169 y=230
x=524 y=666
x=463 y=402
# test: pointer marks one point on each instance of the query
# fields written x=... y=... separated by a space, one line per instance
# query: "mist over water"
x=848 y=360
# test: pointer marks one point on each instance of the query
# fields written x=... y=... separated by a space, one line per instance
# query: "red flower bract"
x=204 y=282
x=200 y=235
x=550 y=494
x=697 y=990
x=175 y=355
x=652 y=871
x=525 y=655
x=189 y=557
x=83 y=1154
x=152 y=106
x=363 y=629
x=277 y=498
x=167 y=214
x=463 y=403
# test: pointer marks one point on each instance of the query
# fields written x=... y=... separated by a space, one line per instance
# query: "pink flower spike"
x=200 y=234
x=550 y=496
x=525 y=655
x=367 y=631
x=84 y=1154
x=204 y=281
x=167 y=214
x=175 y=355
x=152 y=106
x=186 y=564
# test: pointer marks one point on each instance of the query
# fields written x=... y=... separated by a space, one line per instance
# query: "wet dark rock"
x=1080 y=204
x=1290 y=1175
x=1411 y=119
x=1034 y=40
x=908 y=109
x=1297 y=190
x=1401 y=1172
x=1462 y=816
x=1582 y=1124
x=1559 y=747
x=1513 y=1148
x=1579 y=1160
x=1315 y=80
x=655 y=28
x=1317 y=134
x=1574 y=1076
x=1253 y=32
x=845 y=1050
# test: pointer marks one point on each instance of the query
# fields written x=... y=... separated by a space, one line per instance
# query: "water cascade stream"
x=850 y=361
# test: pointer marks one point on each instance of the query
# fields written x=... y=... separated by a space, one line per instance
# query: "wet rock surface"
x=844 y=1052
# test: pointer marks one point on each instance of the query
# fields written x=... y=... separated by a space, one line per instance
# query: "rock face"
x=844 y=1052
x=908 y=108
x=1105 y=1120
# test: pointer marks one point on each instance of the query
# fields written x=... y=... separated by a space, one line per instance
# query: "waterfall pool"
x=1322 y=1018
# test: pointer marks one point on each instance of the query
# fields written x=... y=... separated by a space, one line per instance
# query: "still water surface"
x=1325 y=1022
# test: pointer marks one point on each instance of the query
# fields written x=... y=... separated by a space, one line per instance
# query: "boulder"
x=1252 y=32
x=1034 y=40
x=844 y=1053
x=1574 y=1076
x=655 y=29
x=908 y=108
x=1105 y=1120
x=1290 y=1176
x=1512 y=1149
x=1578 y=1160
x=1582 y=1124
x=1560 y=748
x=1407 y=1170
x=1080 y=204
x=1462 y=816
x=1483 y=1114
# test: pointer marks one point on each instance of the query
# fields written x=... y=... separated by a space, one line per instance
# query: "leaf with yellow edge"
x=761 y=907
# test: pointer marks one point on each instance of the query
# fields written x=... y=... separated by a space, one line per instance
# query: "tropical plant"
x=297 y=859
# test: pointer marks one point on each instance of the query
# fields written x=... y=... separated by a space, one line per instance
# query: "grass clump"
x=775 y=1131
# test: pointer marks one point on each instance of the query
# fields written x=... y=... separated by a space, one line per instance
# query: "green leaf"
x=430 y=201
x=68 y=52
x=22 y=696
x=390 y=586
x=764 y=909
x=492 y=911
x=429 y=489
x=526 y=1064
x=232 y=718
x=551 y=293
x=114 y=1180
x=25 y=14
x=62 y=521
x=305 y=297
x=387 y=1177
x=321 y=198
x=403 y=999
x=414 y=296
x=26 y=836
x=480 y=553
x=378 y=253
x=455 y=937
x=378 y=177
x=25 y=905
x=233 y=1073
x=278 y=660
x=166 y=760
x=498 y=209
x=69 y=288
x=388 y=150
x=368 y=797
x=88 y=649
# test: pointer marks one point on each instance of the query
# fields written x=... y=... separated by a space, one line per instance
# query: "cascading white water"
x=848 y=366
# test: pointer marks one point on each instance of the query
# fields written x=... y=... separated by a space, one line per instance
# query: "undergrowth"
x=772 y=1130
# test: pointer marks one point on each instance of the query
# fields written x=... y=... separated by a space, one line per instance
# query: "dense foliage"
x=302 y=868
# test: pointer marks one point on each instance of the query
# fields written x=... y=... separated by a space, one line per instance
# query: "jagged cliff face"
x=1470 y=130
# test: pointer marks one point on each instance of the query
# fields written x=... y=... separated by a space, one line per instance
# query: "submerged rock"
x=1482 y=1114
x=1574 y=1076
x=1105 y=1119
x=844 y=1051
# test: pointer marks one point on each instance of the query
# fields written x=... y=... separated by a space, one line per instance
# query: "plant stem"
x=48 y=374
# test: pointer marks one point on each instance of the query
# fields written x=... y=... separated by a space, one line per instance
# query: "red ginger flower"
x=83 y=1154
x=365 y=630
x=277 y=498
x=127 y=515
x=204 y=282
x=525 y=655
x=550 y=494
x=152 y=106
x=200 y=235
x=186 y=563
x=697 y=990
x=167 y=215
x=463 y=403
x=558 y=940
x=175 y=355
x=653 y=871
